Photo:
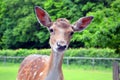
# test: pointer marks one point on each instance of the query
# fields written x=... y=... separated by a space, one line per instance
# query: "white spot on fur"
x=34 y=74
x=41 y=74
x=43 y=60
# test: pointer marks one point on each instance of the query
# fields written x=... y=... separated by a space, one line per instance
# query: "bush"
x=24 y=52
x=81 y=52
x=91 y=52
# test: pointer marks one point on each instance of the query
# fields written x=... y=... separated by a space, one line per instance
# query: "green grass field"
x=9 y=72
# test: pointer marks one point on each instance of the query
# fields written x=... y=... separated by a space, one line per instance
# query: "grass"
x=86 y=73
x=80 y=74
x=9 y=72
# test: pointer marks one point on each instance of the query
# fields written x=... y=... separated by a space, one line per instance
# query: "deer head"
x=61 y=30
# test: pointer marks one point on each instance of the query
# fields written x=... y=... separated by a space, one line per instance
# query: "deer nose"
x=61 y=45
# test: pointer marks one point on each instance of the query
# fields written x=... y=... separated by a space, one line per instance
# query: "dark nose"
x=61 y=46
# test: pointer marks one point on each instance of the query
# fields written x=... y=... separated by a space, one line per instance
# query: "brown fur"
x=30 y=65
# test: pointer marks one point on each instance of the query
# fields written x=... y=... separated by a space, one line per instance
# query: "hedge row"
x=81 y=52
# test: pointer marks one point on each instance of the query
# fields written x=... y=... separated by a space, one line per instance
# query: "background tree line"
x=19 y=27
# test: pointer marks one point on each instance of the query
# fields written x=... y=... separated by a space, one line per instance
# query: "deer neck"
x=54 y=67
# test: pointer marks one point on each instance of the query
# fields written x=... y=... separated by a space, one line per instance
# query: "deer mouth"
x=62 y=48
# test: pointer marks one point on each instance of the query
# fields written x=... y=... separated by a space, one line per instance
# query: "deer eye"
x=71 y=33
x=51 y=30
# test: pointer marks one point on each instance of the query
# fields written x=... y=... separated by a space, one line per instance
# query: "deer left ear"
x=43 y=17
x=82 y=23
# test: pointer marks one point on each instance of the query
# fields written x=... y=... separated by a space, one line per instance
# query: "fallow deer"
x=38 y=67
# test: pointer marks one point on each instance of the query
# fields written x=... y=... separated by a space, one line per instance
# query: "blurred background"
x=91 y=52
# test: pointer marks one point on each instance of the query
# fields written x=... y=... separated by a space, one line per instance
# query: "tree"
x=104 y=31
x=19 y=27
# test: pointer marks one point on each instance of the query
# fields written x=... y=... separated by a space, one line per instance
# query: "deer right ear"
x=43 y=17
x=82 y=23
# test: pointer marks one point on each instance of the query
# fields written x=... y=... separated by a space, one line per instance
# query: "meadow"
x=9 y=72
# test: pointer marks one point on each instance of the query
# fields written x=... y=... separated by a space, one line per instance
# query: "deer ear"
x=82 y=23
x=43 y=17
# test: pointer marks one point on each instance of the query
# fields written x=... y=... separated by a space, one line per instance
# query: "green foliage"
x=106 y=28
x=23 y=52
x=19 y=27
x=104 y=31
x=91 y=52
x=82 y=52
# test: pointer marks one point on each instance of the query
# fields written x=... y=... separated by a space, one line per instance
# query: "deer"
x=42 y=67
